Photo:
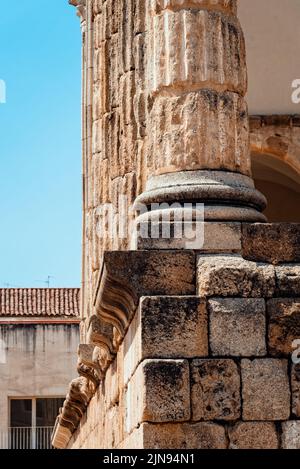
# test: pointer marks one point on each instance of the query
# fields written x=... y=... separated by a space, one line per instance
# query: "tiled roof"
x=39 y=302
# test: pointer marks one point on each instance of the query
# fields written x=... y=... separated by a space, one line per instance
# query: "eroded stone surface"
x=166 y=327
x=291 y=435
x=174 y=327
x=284 y=325
x=217 y=237
x=215 y=388
x=288 y=280
x=231 y=275
x=237 y=327
x=265 y=389
x=295 y=382
x=159 y=391
x=167 y=395
x=253 y=435
x=202 y=435
x=271 y=242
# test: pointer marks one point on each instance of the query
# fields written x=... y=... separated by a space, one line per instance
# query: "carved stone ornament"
x=79 y=395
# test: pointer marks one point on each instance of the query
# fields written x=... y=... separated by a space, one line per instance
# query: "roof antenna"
x=47 y=282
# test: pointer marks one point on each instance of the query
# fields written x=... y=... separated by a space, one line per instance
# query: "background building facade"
x=39 y=334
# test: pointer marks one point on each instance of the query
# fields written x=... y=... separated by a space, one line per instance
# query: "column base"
x=176 y=209
x=226 y=196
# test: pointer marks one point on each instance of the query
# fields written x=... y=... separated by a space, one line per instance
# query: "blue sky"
x=40 y=148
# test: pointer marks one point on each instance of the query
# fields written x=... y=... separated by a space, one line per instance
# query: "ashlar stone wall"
x=210 y=367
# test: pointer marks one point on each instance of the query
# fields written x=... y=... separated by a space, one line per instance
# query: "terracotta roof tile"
x=39 y=302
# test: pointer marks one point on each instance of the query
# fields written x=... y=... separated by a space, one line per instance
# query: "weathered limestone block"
x=288 y=280
x=166 y=327
x=159 y=391
x=265 y=390
x=222 y=237
x=237 y=327
x=192 y=48
x=215 y=390
x=284 y=325
x=174 y=327
x=295 y=382
x=126 y=276
x=230 y=275
x=203 y=435
x=291 y=435
x=253 y=435
x=271 y=242
x=199 y=130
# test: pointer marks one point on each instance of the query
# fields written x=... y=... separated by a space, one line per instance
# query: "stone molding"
x=86 y=366
x=237 y=192
x=128 y=275
x=79 y=395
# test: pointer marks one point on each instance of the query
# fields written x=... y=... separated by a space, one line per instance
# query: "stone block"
x=215 y=386
x=128 y=275
x=174 y=327
x=154 y=272
x=166 y=327
x=159 y=391
x=291 y=435
x=253 y=435
x=265 y=390
x=237 y=327
x=214 y=237
x=230 y=276
x=271 y=242
x=295 y=382
x=288 y=280
x=284 y=325
x=202 y=435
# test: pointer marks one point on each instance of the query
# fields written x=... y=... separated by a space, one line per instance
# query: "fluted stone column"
x=198 y=145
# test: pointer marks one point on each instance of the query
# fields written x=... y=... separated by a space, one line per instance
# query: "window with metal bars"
x=32 y=421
